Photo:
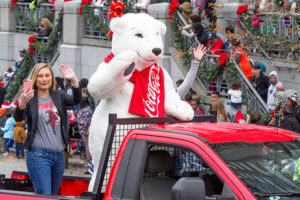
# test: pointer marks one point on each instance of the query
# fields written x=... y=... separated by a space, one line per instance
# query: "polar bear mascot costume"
x=130 y=82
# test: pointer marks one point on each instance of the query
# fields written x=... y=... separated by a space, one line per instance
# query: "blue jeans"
x=46 y=169
x=6 y=141
x=19 y=149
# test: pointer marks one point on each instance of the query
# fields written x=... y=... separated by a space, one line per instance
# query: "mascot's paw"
x=125 y=62
x=183 y=111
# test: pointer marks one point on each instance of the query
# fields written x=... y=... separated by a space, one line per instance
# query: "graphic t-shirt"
x=48 y=134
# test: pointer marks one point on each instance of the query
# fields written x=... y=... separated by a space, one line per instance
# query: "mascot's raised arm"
x=130 y=82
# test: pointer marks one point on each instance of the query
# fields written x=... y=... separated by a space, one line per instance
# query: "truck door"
x=154 y=167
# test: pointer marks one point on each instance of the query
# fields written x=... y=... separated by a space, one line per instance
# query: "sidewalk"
x=11 y=163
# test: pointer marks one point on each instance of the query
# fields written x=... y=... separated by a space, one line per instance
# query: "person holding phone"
x=47 y=122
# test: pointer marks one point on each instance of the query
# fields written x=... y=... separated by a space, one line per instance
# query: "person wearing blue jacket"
x=8 y=132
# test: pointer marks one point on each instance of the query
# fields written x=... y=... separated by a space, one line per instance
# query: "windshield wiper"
x=281 y=194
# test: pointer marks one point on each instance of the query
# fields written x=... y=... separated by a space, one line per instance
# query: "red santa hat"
x=6 y=105
x=14 y=104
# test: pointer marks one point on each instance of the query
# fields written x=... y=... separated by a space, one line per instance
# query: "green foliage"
x=265 y=119
x=13 y=89
x=231 y=73
x=28 y=62
x=211 y=72
x=24 y=21
x=179 y=41
x=94 y=20
x=269 y=41
x=31 y=25
x=53 y=39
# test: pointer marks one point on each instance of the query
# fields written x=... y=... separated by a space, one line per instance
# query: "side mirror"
x=189 y=188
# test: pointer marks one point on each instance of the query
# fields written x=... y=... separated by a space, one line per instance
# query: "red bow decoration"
x=273 y=114
x=173 y=5
x=12 y=3
x=1 y=84
x=9 y=70
x=241 y=9
x=31 y=40
x=116 y=10
x=82 y=3
x=223 y=58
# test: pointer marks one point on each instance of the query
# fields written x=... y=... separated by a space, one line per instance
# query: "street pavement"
x=11 y=163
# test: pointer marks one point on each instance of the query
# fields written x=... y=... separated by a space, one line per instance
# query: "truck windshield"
x=267 y=169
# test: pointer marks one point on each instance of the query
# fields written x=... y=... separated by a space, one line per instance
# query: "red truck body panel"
x=232 y=132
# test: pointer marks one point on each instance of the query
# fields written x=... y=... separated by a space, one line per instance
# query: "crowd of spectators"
x=267 y=87
x=291 y=6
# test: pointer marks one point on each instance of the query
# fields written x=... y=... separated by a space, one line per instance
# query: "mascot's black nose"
x=156 y=51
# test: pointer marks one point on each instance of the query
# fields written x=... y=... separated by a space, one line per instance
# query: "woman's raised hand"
x=69 y=74
x=199 y=52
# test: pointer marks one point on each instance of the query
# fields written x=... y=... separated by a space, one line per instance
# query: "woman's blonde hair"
x=34 y=72
x=46 y=22
x=219 y=107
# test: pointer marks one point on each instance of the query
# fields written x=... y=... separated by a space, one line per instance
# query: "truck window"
x=269 y=169
x=166 y=164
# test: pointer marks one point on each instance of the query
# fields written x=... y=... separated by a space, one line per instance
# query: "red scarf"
x=148 y=97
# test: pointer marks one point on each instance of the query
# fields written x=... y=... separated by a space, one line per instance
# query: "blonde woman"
x=45 y=28
x=221 y=113
x=46 y=114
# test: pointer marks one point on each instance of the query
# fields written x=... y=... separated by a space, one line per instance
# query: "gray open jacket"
x=61 y=100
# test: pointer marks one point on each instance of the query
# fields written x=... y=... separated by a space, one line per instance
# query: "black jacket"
x=61 y=100
x=46 y=32
x=2 y=95
x=262 y=85
x=202 y=36
x=291 y=123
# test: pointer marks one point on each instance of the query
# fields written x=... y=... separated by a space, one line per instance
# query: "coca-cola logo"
x=153 y=92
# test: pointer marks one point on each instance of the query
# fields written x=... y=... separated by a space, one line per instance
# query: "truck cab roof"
x=228 y=132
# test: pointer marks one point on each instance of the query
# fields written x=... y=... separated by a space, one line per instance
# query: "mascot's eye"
x=139 y=35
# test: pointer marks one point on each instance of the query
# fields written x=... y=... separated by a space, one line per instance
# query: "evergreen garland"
x=265 y=119
x=31 y=25
x=24 y=21
x=94 y=20
x=53 y=39
x=179 y=41
x=23 y=71
x=28 y=61
x=211 y=72
x=231 y=73
x=268 y=41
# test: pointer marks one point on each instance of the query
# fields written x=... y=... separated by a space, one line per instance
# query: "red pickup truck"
x=163 y=158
